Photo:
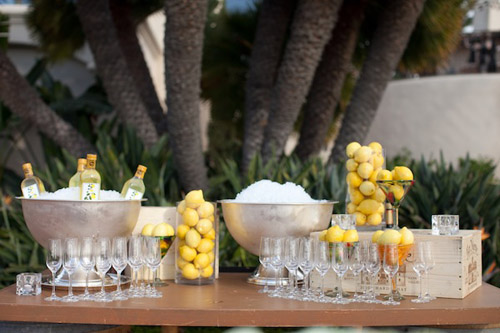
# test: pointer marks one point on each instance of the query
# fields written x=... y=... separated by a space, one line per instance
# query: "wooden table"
x=233 y=302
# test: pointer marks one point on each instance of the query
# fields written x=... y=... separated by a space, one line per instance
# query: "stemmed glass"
x=265 y=258
x=103 y=264
x=70 y=264
x=391 y=267
x=87 y=262
x=277 y=262
x=340 y=267
x=372 y=265
x=153 y=260
x=419 y=268
x=119 y=262
x=322 y=265
x=428 y=265
x=135 y=262
x=306 y=263
x=356 y=266
x=53 y=260
x=292 y=245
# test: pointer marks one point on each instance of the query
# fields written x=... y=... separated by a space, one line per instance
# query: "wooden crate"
x=457 y=271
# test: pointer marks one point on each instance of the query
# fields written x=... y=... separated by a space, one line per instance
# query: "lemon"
x=378 y=195
x=211 y=256
x=397 y=190
x=368 y=206
x=378 y=161
x=163 y=229
x=381 y=209
x=207 y=272
x=353 y=179
x=181 y=243
x=211 y=218
x=351 y=149
x=182 y=230
x=205 y=210
x=193 y=238
x=376 y=235
x=147 y=230
x=389 y=236
x=322 y=235
x=206 y=245
x=351 y=208
x=181 y=263
x=190 y=217
x=334 y=234
x=374 y=219
x=356 y=197
x=210 y=234
x=360 y=218
x=365 y=170
x=201 y=261
x=406 y=236
x=394 y=176
x=350 y=236
x=190 y=272
x=384 y=175
x=367 y=188
x=403 y=173
x=373 y=176
x=194 y=199
x=351 y=165
x=187 y=253
x=375 y=146
x=181 y=207
x=204 y=226
x=363 y=154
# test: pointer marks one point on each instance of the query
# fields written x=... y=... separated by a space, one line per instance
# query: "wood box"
x=457 y=271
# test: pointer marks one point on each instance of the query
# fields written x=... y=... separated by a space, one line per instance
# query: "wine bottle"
x=75 y=180
x=134 y=188
x=90 y=179
x=31 y=186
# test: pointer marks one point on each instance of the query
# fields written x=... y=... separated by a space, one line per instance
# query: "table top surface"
x=231 y=301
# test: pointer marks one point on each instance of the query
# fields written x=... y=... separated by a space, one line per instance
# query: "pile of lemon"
x=196 y=235
x=398 y=173
x=335 y=234
x=391 y=236
x=159 y=230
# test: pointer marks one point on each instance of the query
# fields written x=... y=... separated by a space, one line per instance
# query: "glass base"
x=52 y=298
x=396 y=296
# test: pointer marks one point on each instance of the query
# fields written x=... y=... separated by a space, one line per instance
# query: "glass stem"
x=102 y=282
x=276 y=279
x=420 y=295
x=266 y=285
x=87 y=283
x=393 y=286
x=53 y=284
x=118 y=287
x=427 y=283
x=70 y=291
x=340 y=292
x=321 y=293
x=295 y=279
x=153 y=269
x=396 y=218
x=356 y=287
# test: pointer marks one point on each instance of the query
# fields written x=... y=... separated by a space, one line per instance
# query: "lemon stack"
x=196 y=237
x=391 y=236
x=335 y=234
x=365 y=198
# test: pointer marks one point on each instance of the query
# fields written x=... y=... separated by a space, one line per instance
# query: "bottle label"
x=133 y=195
x=31 y=192
x=90 y=191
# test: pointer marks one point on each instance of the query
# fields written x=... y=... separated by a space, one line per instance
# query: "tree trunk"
x=183 y=51
x=271 y=31
x=326 y=88
x=311 y=29
x=97 y=23
x=23 y=100
x=129 y=43
x=395 y=25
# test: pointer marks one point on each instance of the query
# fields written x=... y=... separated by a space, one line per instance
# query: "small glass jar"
x=197 y=244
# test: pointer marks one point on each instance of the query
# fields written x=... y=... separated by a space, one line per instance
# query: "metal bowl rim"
x=79 y=201
x=319 y=202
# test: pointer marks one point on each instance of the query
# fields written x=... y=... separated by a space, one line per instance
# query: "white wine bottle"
x=31 y=186
x=134 y=188
x=75 y=180
x=90 y=186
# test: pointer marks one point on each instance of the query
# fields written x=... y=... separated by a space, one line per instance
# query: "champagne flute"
x=278 y=262
x=373 y=267
x=322 y=265
x=103 y=264
x=87 y=262
x=153 y=260
x=306 y=264
x=53 y=260
x=391 y=267
x=119 y=262
x=429 y=263
x=356 y=266
x=419 y=268
x=265 y=258
x=135 y=262
x=292 y=264
x=70 y=263
x=340 y=267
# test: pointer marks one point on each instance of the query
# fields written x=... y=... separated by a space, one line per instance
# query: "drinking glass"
x=135 y=262
x=103 y=264
x=391 y=267
x=265 y=258
x=277 y=262
x=428 y=266
x=53 y=260
x=306 y=264
x=292 y=245
x=356 y=266
x=372 y=265
x=153 y=260
x=71 y=258
x=340 y=266
x=87 y=262
x=322 y=265
x=419 y=268
x=119 y=262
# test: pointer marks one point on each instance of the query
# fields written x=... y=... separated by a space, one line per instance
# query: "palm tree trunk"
x=23 y=100
x=395 y=25
x=311 y=29
x=326 y=88
x=183 y=51
x=95 y=17
x=126 y=30
x=267 y=47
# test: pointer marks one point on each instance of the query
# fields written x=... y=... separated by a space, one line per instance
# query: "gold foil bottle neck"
x=141 y=170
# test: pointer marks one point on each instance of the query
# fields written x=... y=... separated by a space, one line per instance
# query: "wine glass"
x=153 y=260
x=340 y=266
x=391 y=267
x=356 y=266
x=428 y=265
x=265 y=258
x=70 y=263
x=292 y=245
x=87 y=262
x=119 y=262
x=103 y=264
x=306 y=264
x=372 y=265
x=322 y=265
x=53 y=260
x=277 y=262
x=419 y=268
x=135 y=262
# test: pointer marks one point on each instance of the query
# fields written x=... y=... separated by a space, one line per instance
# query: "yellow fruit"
x=356 y=197
x=360 y=218
x=211 y=218
x=163 y=229
x=389 y=236
x=351 y=149
x=394 y=176
x=181 y=243
x=363 y=154
x=373 y=176
x=334 y=234
x=365 y=170
x=397 y=190
x=378 y=161
x=351 y=208
x=376 y=235
x=381 y=209
x=181 y=207
x=190 y=272
x=205 y=210
x=384 y=175
x=190 y=217
x=375 y=146
x=204 y=226
x=147 y=230
x=378 y=195
x=406 y=236
x=201 y=261
x=374 y=219
x=322 y=235
x=206 y=245
x=182 y=230
x=353 y=179
x=368 y=206
x=187 y=253
x=210 y=234
x=193 y=238
x=181 y=263
x=194 y=199
x=207 y=272
x=367 y=188
x=351 y=165
x=211 y=256
x=350 y=236
x=403 y=173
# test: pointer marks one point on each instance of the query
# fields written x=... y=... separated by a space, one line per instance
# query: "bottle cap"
x=82 y=161
x=141 y=170
x=27 y=169
x=92 y=157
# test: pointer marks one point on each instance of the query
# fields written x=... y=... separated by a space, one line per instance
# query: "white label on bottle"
x=133 y=194
x=31 y=192
x=90 y=191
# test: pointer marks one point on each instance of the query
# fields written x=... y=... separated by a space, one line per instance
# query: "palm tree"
x=394 y=28
x=183 y=53
x=310 y=31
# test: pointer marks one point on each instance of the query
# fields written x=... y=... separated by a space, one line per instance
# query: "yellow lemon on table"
x=207 y=272
x=406 y=236
x=206 y=245
x=353 y=179
x=368 y=206
x=351 y=148
x=334 y=234
x=384 y=175
x=147 y=230
x=204 y=226
x=376 y=235
x=194 y=199
x=187 y=253
x=363 y=154
x=190 y=272
x=181 y=207
x=351 y=165
x=190 y=217
x=205 y=210
x=182 y=229
x=201 y=261
x=163 y=229
x=365 y=170
x=403 y=173
x=351 y=236
x=193 y=238
x=374 y=219
x=360 y=218
x=322 y=235
x=367 y=188
x=389 y=236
